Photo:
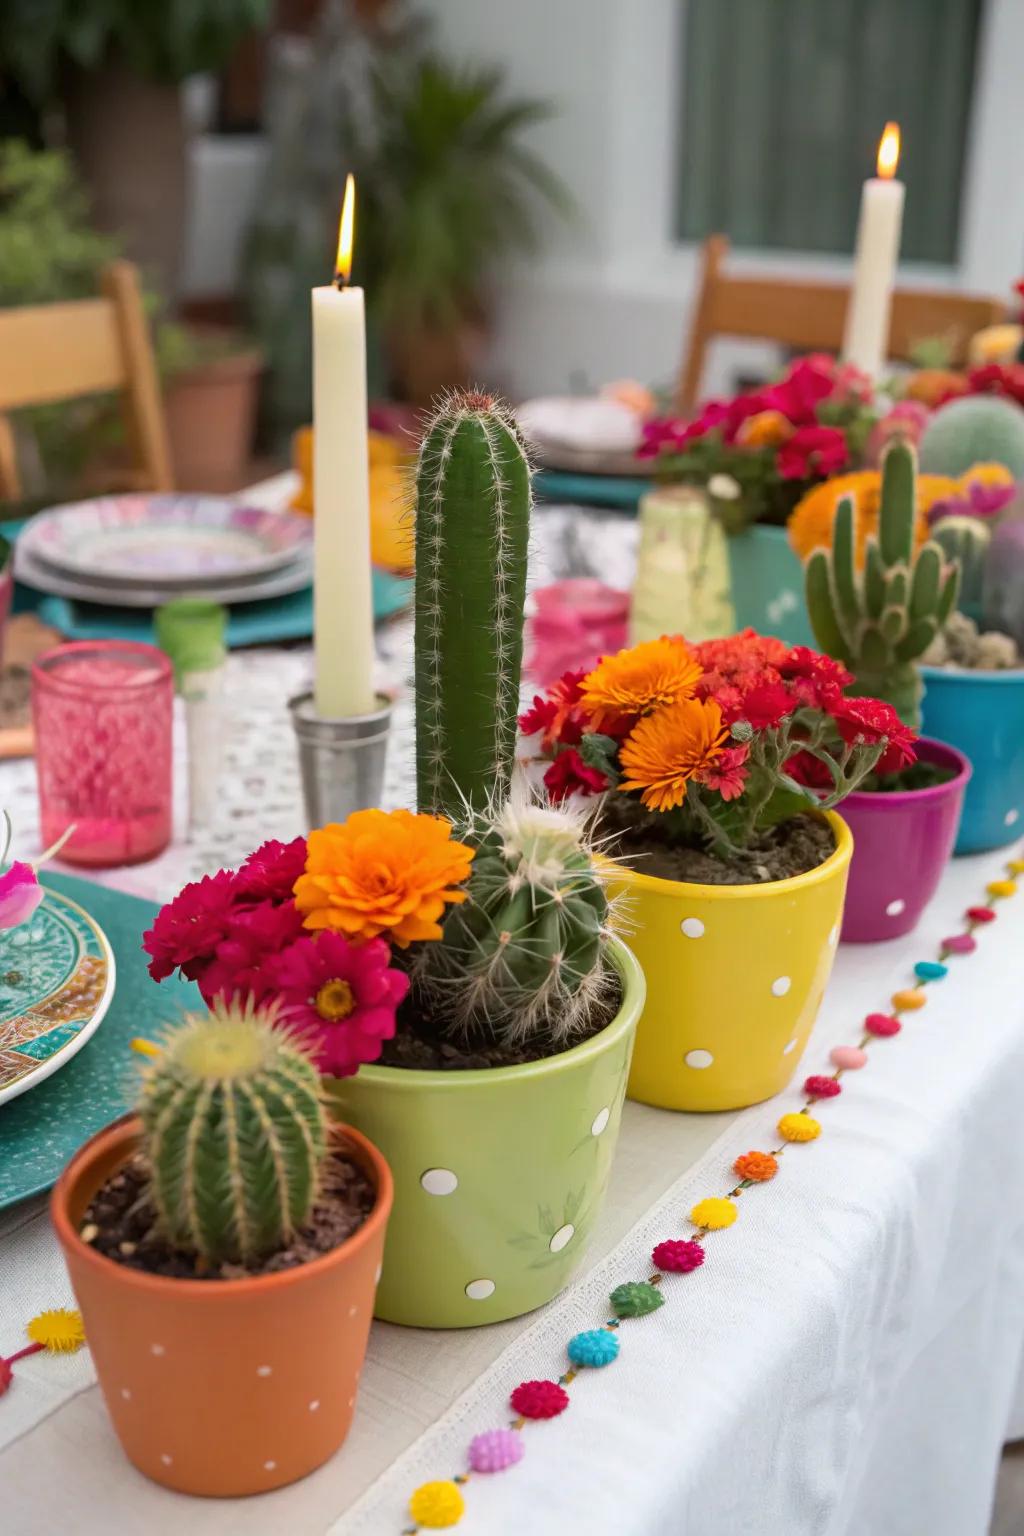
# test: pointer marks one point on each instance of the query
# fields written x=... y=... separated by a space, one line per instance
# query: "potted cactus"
x=878 y=620
x=226 y=1224
x=710 y=760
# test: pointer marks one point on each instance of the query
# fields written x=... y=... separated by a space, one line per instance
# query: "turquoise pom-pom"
x=931 y=970
x=595 y=1347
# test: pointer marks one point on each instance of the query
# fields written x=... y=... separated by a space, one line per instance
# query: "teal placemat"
x=265 y=623
x=590 y=490
x=40 y=1130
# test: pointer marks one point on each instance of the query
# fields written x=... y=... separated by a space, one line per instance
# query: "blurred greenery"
x=447 y=186
x=163 y=39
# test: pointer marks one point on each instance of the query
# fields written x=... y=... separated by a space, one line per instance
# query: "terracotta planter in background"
x=428 y=362
x=211 y=421
x=224 y=1387
x=903 y=841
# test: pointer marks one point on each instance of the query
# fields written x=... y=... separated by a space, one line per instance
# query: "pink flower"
x=20 y=894
x=341 y=996
x=813 y=451
x=727 y=773
x=908 y=420
x=808 y=382
x=814 y=680
x=568 y=774
x=186 y=932
x=254 y=936
x=767 y=705
x=270 y=873
x=980 y=501
x=871 y=720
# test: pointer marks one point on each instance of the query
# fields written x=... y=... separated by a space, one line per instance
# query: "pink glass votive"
x=574 y=623
x=103 y=713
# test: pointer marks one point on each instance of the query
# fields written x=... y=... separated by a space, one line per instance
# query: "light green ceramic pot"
x=499 y=1175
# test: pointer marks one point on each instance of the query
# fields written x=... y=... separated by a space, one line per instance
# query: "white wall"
x=611 y=297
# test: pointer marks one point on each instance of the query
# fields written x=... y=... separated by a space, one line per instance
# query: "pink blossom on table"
x=20 y=895
x=340 y=996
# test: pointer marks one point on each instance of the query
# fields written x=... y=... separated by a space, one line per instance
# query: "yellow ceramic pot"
x=735 y=976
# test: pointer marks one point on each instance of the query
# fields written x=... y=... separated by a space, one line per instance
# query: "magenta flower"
x=813 y=452
x=238 y=967
x=980 y=501
x=20 y=894
x=342 y=997
x=270 y=873
x=186 y=932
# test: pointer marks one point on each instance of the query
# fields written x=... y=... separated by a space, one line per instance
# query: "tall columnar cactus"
x=524 y=955
x=878 y=621
x=472 y=530
x=235 y=1131
x=966 y=541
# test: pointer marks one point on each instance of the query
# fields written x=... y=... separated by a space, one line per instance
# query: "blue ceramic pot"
x=768 y=585
x=982 y=714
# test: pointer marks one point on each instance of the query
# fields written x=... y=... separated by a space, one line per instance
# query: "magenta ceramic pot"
x=901 y=844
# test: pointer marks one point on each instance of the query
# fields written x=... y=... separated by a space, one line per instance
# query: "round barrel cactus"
x=977 y=429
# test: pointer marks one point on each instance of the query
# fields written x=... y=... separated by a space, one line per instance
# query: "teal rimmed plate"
x=56 y=984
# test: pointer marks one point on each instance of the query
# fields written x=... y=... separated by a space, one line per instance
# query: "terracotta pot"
x=426 y=362
x=224 y=1387
x=211 y=420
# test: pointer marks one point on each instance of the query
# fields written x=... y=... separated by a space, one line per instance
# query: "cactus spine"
x=235 y=1131
x=880 y=620
x=523 y=957
x=472 y=530
x=966 y=540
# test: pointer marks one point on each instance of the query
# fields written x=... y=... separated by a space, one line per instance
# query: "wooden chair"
x=59 y=351
x=809 y=316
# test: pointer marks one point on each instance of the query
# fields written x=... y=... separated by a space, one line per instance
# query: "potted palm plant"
x=447 y=186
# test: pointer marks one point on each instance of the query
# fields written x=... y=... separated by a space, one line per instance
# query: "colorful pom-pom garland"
x=439 y=1504
x=57 y=1332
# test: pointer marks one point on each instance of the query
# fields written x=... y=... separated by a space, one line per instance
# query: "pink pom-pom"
x=882 y=1024
x=960 y=944
x=849 y=1057
x=818 y=1086
x=677 y=1256
x=495 y=1450
x=981 y=914
x=6 y=1375
x=539 y=1399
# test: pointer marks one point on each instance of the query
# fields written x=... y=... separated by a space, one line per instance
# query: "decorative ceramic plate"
x=165 y=539
x=56 y=983
x=36 y=573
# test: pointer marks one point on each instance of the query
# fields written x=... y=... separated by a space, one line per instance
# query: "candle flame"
x=889 y=151
x=346 y=234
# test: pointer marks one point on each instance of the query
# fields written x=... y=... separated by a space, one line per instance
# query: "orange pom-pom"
x=756 y=1166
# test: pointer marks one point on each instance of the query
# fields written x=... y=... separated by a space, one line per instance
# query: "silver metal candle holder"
x=341 y=761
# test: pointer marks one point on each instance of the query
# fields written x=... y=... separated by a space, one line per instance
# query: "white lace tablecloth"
x=845 y=1362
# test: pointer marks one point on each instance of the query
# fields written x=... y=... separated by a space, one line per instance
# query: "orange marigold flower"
x=382 y=872
x=665 y=750
x=765 y=430
x=756 y=1166
x=633 y=682
x=810 y=522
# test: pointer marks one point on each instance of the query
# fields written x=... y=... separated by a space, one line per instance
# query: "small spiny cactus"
x=966 y=541
x=524 y=956
x=878 y=621
x=235 y=1131
x=472 y=530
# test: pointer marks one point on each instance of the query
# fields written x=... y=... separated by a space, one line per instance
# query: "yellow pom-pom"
x=909 y=999
x=61 y=1332
x=436 y=1505
x=1016 y=866
x=798 y=1127
x=714 y=1214
x=1002 y=887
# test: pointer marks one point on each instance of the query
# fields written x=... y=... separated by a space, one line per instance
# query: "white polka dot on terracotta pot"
x=479 y=1290
x=789 y=1047
x=167 y=1460
x=157 y=1349
x=1012 y=817
x=896 y=907
x=562 y=1238
x=692 y=927
x=126 y=1394
x=314 y=1405
x=270 y=1466
x=264 y=1370
x=698 y=1059
x=379 y=1272
x=353 y=1311
x=600 y=1120
x=439 y=1181
x=351 y=1402
x=781 y=985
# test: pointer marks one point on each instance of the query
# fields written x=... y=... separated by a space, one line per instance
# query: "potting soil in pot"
x=642 y=841
x=120 y=1223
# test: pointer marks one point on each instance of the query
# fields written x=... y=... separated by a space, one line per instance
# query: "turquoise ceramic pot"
x=982 y=714
x=768 y=585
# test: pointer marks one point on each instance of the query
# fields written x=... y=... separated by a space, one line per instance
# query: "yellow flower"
x=799 y=1127
x=60 y=1332
x=985 y=474
x=634 y=682
x=765 y=430
x=714 y=1213
x=382 y=872
x=437 y=1505
x=667 y=749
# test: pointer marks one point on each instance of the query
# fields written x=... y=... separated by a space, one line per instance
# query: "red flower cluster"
x=997 y=379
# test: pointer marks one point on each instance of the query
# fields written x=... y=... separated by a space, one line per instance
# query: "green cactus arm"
x=821 y=608
x=897 y=585
x=874 y=580
x=898 y=509
x=892 y=624
x=924 y=592
x=844 y=568
x=874 y=653
x=917 y=638
x=948 y=596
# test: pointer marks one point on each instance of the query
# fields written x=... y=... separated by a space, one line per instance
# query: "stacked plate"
x=141 y=551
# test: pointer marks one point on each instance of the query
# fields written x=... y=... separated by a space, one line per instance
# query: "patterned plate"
x=56 y=983
x=165 y=539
